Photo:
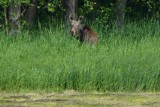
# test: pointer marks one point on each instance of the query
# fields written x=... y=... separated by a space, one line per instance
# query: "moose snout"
x=73 y=32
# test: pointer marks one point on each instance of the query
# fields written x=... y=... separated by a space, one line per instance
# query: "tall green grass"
x=49 y=59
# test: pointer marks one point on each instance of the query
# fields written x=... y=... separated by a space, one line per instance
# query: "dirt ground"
x=76 y=99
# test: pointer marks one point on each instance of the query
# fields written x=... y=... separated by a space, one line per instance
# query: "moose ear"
x=70 y=18
x=81 y=18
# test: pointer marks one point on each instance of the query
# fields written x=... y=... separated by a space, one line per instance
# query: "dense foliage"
x=100 y=10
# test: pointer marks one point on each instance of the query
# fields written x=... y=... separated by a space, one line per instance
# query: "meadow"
x=49 y=59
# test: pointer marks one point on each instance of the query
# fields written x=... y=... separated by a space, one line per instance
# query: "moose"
x=82 y=32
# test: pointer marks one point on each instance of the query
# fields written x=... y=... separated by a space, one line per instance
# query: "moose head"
x=76 y=26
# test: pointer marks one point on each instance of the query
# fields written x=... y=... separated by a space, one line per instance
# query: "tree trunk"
x=154 y=9
x=70 y=9
x=32 y=11
x=120 y=12
x=6 y=20
x=14 y=16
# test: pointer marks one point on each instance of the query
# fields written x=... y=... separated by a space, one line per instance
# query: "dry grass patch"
x=76 y=99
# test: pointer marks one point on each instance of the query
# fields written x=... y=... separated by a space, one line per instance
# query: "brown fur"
x=88 y=35
x=82 y=32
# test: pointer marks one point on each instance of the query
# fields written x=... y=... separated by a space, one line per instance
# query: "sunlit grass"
x=49 y=59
